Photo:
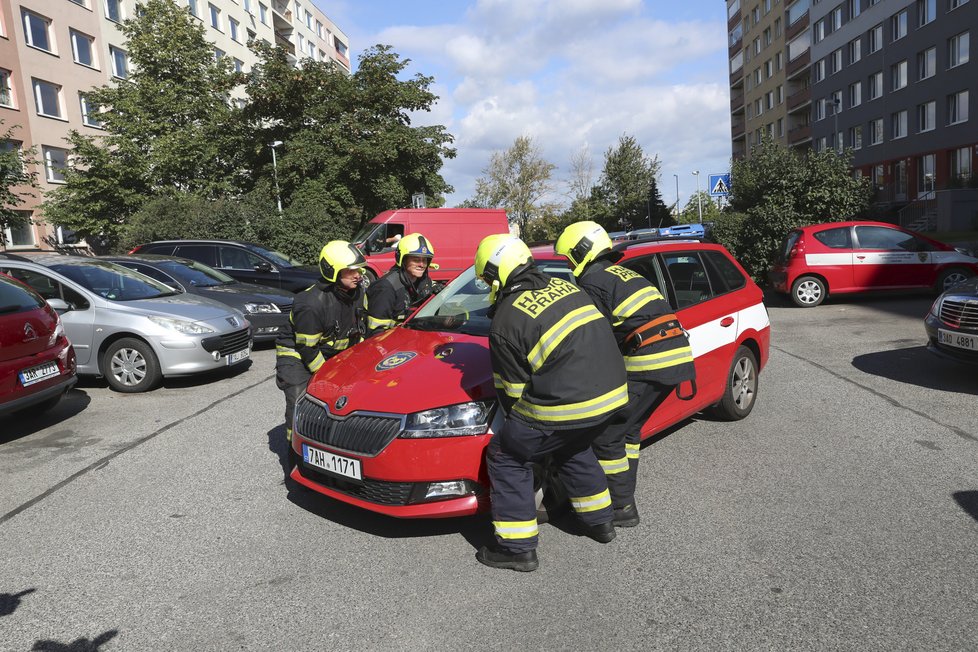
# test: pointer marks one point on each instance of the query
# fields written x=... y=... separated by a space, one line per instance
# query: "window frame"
x=50 y=166
x=953 y=53
x=7 y=89
x=119 y=8
x=36 y=84
x=113 y=52
x=74 y=36
x=87 y=111
x=49 y=47
x=898 y=124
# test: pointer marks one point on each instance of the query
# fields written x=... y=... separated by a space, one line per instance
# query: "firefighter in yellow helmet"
x=326 y=318
x=652 y=341
x=392 y=297
x=559 y=378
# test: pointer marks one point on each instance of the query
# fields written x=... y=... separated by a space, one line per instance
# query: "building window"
x=958 y=47
x=820 y=109
x=48 y=98
x=818 y=31
x=777 y=28
x=767 y=7
x=194 y=9
x=876 y=131
x=120 y=62
x=835 y=61
x=836 y=16
x=961 y=164
x=14 y=146
x=319 y=29
x=302 y=43
x=855 y=94
x=238 y=65
x=818 y=70
x=6 y=90
x=340 y=47
x=854 y=9
x=88 y=112
x=37 y=31
x=81 y=3
x=898 y=75
x=82 y=48
x=898 y=124
x=957 y=107
x=247 y=7
x=925 y=173
x=856 y=137
x=799 y=45
x=926 y=116
x=778 y=61
x=954 y=4
x=55 y=161
x=113 y=10
x=215 y=15
x=780 y=91
x=757 y=45
x=876 y=39
x=21 y=235
x=737 y=62
x=233 y=26
x=926 y=63
x=780 y=127
x=898 y=24
x=855 y=50
x=263 y=13
x=926 y=12
x=312 y=49
x=876 y=85
x=768 y=68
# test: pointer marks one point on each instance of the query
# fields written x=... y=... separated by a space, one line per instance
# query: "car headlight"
x=182 y=325
x=252 y=308
x=452 y=421
x=935 y=309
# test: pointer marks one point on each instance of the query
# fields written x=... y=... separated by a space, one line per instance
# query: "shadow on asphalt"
x=178 y=382
x=968 y=501
x=79 y=645
x=10 y=601
x=902 y=304
x=916 y=366
x=20 y=424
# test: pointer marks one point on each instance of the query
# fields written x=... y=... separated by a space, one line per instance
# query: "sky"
x=568 y=73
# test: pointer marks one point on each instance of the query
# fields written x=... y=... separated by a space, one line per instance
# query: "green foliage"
x=516 y=180
x=547 y=224
x=691 y=211
x=16 y=180
x=627 y=192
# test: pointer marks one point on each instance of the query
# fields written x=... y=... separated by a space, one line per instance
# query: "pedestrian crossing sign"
x=719 y=185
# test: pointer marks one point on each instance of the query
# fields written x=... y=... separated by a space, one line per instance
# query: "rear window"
x=787 y=246
x=724 y=275
x=15 y=298
x=206 y=254
x=840 y=238
x=161 y=249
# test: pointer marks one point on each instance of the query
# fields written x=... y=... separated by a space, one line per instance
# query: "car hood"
x=185 y=306
x=239 y=294
x=403 y=371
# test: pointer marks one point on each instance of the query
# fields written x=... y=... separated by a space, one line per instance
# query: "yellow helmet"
x=581 y=243
x=498 y=258
x=413 y=244
x=339 y=255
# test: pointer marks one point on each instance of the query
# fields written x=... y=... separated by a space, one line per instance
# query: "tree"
x=627 y=194
x=168 y=128
x=690 y=213
x=517 y=179
x=16 y=180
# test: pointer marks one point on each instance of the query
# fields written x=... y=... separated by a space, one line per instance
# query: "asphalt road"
x=841 y=515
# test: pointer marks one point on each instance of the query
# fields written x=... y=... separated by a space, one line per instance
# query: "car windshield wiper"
x=436 y=323
x=165 y=294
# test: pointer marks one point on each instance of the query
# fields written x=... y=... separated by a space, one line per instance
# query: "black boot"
x=626 y=516
x=499 y=558
x=602 y=533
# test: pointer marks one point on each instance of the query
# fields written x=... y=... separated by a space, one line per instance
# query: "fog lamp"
x=445 y=489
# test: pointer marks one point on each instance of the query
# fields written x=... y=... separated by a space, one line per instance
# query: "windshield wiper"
x=436 y=323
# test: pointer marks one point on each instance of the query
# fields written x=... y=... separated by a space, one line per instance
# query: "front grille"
x=285 y=307
x=357 y=433
x=228 y=343
x=374 y=491
x=959 y=313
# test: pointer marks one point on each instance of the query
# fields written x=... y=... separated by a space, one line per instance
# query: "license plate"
x=38 y=373
x=958 y=340
x=238 y=356
x=331 y=462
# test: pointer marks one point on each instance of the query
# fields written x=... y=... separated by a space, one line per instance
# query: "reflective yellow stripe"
x=288 y=434
x=611 y=467
x=286 y=351
x=658 y=360
x=556 y=334
x=339 y=345
x=309 y=339
x=373 y=323
x=574 y=411
x=632 y=451
x=514 y=390
x=591 y=503
x=316 y=363
x=628 y=307
x=517 y=529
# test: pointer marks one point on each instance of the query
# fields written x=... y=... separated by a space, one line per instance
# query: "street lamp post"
x=278 y=196
x=677 y=196
x=699 y=197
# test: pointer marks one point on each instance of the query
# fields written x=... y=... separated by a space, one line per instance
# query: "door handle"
x=861 y=257
x=726 y=321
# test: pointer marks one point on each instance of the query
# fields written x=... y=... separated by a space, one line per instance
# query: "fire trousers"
x=510 y=457
x=291 y=376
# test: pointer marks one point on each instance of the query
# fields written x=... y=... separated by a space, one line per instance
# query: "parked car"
x=244 y=261
x=128 y=327
x=37 y=363
x=266 y=308
x=952 y=323
x=399 y=423
x=844 y=257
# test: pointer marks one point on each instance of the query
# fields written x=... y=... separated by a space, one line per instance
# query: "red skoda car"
x=844 y=257
x=399 y=423
x=37 y=364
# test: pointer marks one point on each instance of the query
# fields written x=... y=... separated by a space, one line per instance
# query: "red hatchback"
x=399 y=423
x=37 y=363
x=844 y=257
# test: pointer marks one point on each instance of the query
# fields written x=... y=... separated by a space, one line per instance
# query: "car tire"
x=740 y=390
x=808 y=291
x=131 y=366
x=368 y=278
x=951 y=277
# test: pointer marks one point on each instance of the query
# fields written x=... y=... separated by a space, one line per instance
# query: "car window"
x=235 y=258
x=161 y=249
x=48 y=287
x=14 y=298
x=191 y=272
x=151 y=272
x=206 y=254
x=840 y=238
x=880 y=237
x=724 y=275
x=786 y=246
x=113 y=282
x=648 y=266
x=689 y=278
x=276 y=257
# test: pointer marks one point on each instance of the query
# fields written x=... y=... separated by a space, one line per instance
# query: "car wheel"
x=130 y=366
x=951 y=277
x=808 y=291
x=740 y=392
x=368 y=278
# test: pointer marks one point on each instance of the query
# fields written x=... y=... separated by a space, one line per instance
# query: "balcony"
x=736 y=102
x=738 y=128
x=800 y=99
x=800 y=135
x=796 y=28
x=733 y=20
x=799 y=65
x=283 y=42
x=735 y=47
x=736 y=76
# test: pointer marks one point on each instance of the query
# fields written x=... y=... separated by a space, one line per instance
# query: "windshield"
x=280 y=259
x=365 y=232
x=194 y=273
x=113 y=282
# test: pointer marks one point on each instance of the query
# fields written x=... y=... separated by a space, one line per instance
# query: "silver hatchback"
x=128 y=327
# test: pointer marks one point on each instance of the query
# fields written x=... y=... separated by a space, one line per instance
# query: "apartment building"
x=53 y=51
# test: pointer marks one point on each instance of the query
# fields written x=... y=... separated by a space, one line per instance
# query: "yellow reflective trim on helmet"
x=286 y=351
x=591 y=503
x=594 y=407
x=373 y=323
x=556 y=334
x=611 y=467
x=308 y=339
x=514 y=390
x=316 y=363
x=516 y=529
x=630 y=306
x=662 y=360
x=632 y=451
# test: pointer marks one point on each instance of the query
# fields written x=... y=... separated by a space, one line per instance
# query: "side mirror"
x=59 y=305
x=263 y=267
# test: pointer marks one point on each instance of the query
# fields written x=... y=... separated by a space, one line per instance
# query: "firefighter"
x=654 y=345
x=559 y=378
x=326 y=318
x=404 y=287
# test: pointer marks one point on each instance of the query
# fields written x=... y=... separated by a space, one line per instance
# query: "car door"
x=884 y=257
x=831 y=256
x=79 y=322
x=248 y=266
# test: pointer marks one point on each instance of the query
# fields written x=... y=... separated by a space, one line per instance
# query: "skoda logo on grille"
x=232 y=320
x=341 y=403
